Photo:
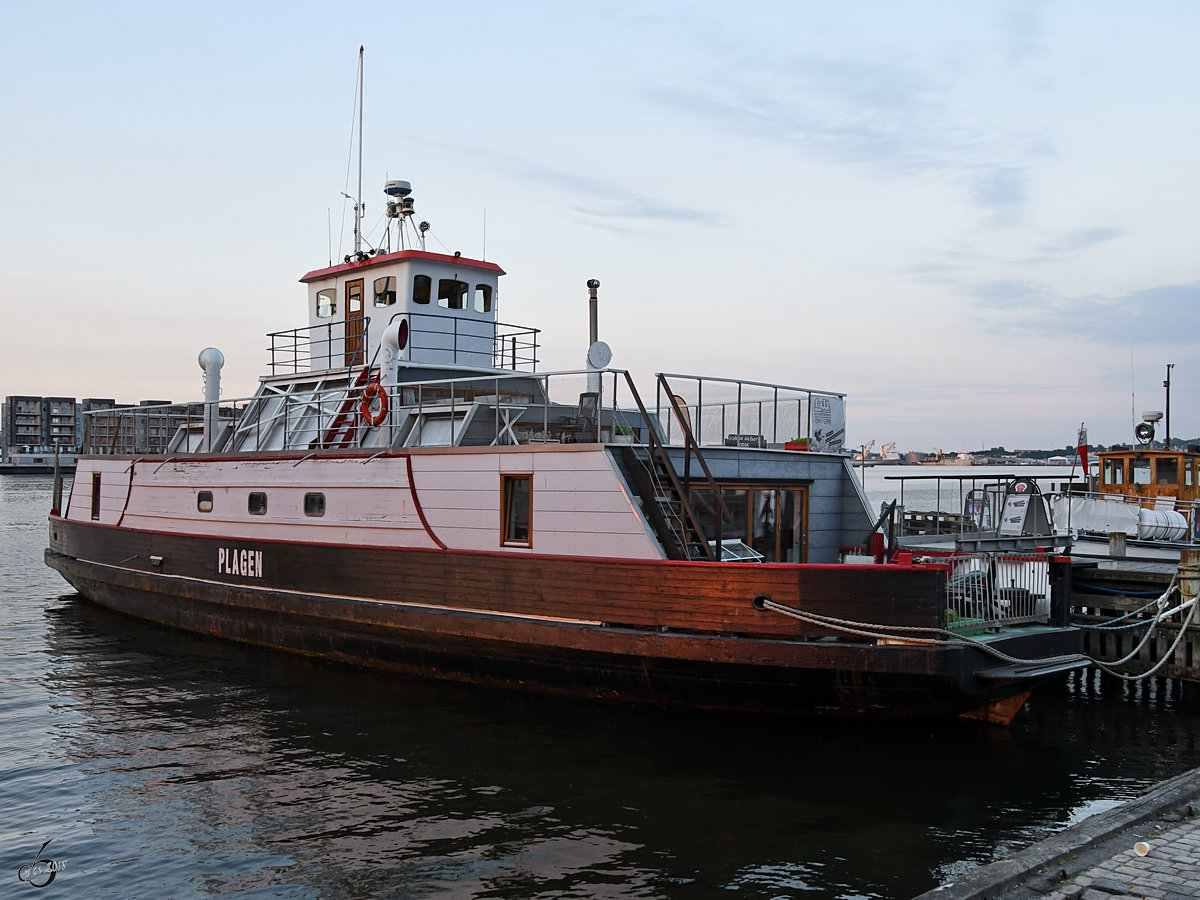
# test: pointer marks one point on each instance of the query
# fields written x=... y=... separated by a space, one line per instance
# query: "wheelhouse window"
x=326 y=303
x=516 y=510
x=422 y=288
x=1188 y=469
x=314 y=504
x=385 y=290
x=483 y=298
x=1114 y=471
x=204 y=501
x=1139 y=471
x=1167 y=471
x=452 y=294
x=257 y=504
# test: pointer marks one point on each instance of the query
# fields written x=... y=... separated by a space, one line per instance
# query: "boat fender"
x=372 y=392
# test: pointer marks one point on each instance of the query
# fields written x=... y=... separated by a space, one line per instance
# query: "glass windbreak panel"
x=422 y=288
x=791 y=533
x=1114 y=471
x=736 y=501
x=257 y=504
x=483 y=298
x=452 y=294
x=764 y=527
x=326 y=303
x=436 y=431
x=1166 y=471
x=385 y=290
x=314 y=504
x=1139 y=471
x=516 y=515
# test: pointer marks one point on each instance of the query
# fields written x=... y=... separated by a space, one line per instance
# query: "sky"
x=978 y=220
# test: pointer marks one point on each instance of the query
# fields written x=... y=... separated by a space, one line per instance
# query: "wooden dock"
x=1106 y=590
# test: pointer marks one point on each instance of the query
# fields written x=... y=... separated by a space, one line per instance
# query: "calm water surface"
x=162 y=765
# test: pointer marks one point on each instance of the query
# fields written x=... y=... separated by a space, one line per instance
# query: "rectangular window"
x=314 y=504
x=1140 y=471
x=257 y=504
x=422 y=288
x=385 y=291
x=516 y=510
x=95 y=495
x=204 y=501
x=1187 y=472
x=452 y=294
x=1114 y=471
x=483 y=298
x=1166 y=471
x=326 y=303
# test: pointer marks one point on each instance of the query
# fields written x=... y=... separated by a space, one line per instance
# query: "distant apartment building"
x=32 y=427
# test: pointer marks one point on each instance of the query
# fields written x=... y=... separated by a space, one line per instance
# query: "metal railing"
x=464 y=341
x=523 y=407
x=989 y=590
x=726 y=411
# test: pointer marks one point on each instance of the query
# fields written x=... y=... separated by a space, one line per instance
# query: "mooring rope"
x=945 y=638
x=881 y=632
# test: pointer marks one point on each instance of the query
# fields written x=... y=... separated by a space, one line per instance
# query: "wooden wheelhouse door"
x=354 y=344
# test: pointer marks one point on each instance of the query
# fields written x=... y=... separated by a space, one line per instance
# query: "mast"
x=358 y=196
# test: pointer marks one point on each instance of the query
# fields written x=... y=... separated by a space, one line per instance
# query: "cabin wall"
x=579 y=504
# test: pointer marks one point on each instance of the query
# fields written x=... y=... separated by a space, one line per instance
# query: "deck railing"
x=989 y=590
x=733 y=412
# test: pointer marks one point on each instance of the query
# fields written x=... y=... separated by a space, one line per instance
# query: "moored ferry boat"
x=408 y=490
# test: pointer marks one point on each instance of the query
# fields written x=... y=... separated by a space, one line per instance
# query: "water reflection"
x=161 y=764
x=228 y=768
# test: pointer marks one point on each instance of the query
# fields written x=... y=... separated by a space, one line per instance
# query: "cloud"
x=1080 y=240
x=1158 y=315
x=884 y=115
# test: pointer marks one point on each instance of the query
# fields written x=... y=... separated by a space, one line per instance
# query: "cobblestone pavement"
x=1170 y=870
x=1096 y=859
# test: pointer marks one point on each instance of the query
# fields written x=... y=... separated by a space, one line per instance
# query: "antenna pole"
x=1167 y=385
x=358 y=199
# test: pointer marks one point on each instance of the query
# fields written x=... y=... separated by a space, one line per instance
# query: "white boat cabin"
x=425 y=308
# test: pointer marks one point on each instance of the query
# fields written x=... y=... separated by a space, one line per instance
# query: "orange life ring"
x=370 y=392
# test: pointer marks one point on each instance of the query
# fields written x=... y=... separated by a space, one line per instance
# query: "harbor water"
x=159 y=764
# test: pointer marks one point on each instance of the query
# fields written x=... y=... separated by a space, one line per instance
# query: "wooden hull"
x=651 y=632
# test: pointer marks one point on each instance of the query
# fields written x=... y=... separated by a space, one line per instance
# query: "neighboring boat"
x=1148 y=498
x=407 y=491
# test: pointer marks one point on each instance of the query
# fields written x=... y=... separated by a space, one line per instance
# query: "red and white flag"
x=1081 y=447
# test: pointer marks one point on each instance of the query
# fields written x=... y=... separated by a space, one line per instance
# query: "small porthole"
x=258 y=503
x=204 y=501
x=314 y=504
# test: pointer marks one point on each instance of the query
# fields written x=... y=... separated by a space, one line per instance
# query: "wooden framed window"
x=516 y=510
x=257 y=504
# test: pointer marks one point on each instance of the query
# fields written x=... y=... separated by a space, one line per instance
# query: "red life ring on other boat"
x=371 y=392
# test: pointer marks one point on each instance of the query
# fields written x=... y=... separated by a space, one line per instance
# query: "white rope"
x=950 y=638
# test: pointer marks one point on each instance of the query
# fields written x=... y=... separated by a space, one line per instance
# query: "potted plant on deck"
x=799 y=443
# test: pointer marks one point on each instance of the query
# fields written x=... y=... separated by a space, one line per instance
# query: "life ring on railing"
x=371 y=393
